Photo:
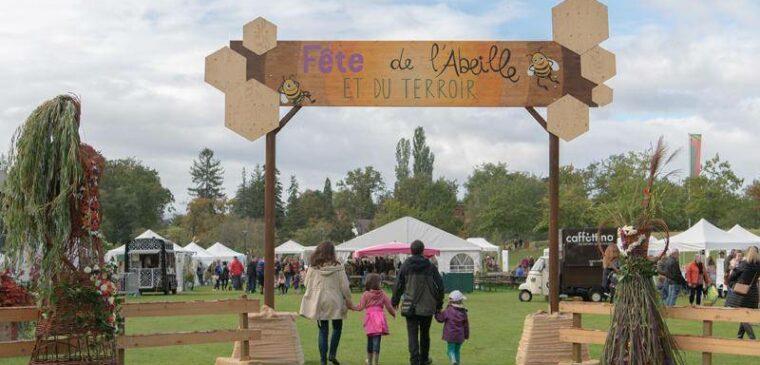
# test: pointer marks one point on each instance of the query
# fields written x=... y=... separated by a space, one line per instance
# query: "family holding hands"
x=418 y=296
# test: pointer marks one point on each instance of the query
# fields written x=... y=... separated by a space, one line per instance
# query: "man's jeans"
x=251 y=283
x=324 y=332
x=673 y=290
x=418 y=330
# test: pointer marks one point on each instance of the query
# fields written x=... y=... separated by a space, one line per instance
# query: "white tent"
x=224 y=253
x=744 y=234
x=703 y=236
x=113 y=254
x=484 y=244
x=289 y=248
x=200 y=254
x=457 y=255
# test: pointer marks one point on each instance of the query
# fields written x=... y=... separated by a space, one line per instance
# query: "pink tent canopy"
x=392 y=248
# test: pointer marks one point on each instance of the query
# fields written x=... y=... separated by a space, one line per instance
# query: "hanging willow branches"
x=44 y=174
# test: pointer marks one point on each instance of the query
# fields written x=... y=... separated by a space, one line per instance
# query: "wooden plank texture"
x=420 y=73
x=685 y=342
x=16 y=348
x=18 y=314
x=186 y=338
x=715 y=314
x=190 y=308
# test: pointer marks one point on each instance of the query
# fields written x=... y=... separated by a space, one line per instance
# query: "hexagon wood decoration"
x=598 y=65
x=259 y=36
x=580 y=24
x=601 y=95
x=567 y=118
x=225 y=68
x=252 y=109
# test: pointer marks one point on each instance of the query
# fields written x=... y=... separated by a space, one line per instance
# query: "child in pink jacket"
x=373 y=302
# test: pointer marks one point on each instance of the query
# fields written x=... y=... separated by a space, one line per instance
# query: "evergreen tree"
x=327 y=195
x=403 y=152
x=207 y=176
x=423 y=157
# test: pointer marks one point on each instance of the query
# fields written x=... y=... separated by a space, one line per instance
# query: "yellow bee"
x=290 y=92
x=543 y=68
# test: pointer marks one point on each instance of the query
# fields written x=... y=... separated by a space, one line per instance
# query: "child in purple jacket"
x=456 y=327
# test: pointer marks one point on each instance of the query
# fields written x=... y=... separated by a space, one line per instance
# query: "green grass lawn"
x=496 y=325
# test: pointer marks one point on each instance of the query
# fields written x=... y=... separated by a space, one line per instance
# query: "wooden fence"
x=241 y=307
x=706 y=344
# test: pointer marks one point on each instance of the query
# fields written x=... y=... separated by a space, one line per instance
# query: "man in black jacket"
x=419 y=289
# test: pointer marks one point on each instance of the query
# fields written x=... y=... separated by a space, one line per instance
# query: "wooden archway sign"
x=260 y=74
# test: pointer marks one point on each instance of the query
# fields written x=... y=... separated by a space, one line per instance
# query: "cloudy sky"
x=683 y=67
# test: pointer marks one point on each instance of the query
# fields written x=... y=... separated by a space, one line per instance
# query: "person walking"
x=697 y=279
x=260 y=274
x=744 y=293
x=456 y=326
x=199 y=273
x=419 y=292
x=217 y=275
x=374 y=302
x=224 y=277
x=250 y=273
x=674 y=278
x=327 y=299
x=236 y=271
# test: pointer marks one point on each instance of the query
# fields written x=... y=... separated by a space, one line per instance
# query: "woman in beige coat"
x=327 y=298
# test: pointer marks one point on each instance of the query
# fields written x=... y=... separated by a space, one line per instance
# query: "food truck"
x=580 y=266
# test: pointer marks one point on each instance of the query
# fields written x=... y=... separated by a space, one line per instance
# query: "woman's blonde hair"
x=610 y=254
x=752 y=255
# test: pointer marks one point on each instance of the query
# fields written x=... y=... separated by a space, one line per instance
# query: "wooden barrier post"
x=707 y=332
x=577 y=353
x=245 y=344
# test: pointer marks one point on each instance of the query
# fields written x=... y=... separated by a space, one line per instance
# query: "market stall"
x=224 y=253
x=289 y=248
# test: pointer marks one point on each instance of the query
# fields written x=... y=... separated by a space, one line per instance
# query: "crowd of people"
x=417 y=296
x=289 y=274
x=741 y=270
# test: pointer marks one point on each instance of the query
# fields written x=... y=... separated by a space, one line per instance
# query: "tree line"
x=497 y=203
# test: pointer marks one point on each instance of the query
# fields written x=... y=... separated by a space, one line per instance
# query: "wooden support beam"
x=269 y=208
x=19 y=314
x=186 y=338
x=717 y=345
x=715 y=314
x=269 y=213
x=245 y=345
x=16 y=348
x=190 y=308
x=541 y=121
x=707 y=327
x=577 y=349
x=553 y=223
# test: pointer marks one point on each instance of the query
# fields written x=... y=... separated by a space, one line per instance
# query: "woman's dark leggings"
x=373 y=344
x=746 y=328
x=324 y=332
x=696 y=292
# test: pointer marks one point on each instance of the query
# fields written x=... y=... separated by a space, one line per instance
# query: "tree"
x=403 y=153
x=714 y=195
x=207 y=176
x=358 y=191
x=132 y=197
x=327 y=195
x=501 y=204
x=575 y=206
x=423 y=157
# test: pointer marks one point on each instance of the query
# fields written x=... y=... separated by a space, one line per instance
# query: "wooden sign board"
x=419 y=73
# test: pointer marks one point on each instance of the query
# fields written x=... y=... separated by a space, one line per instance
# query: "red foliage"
x=12 y=295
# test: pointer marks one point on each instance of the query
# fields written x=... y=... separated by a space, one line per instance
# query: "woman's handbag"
x=743 y=289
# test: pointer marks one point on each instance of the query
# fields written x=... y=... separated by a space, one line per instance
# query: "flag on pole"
x=695 y=149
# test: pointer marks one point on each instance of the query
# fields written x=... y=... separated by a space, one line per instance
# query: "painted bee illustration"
x=543 y=68
x=290 y=92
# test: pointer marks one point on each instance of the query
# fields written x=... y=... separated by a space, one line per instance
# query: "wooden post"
x=553 y=223
x=553 y=212
x=707 y=332
x=269 y=207
x=245 y=346
x=577 y=323
x=269 y=213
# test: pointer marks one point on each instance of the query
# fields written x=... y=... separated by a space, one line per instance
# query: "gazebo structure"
x=152 y=259
x=290 y=248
